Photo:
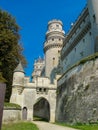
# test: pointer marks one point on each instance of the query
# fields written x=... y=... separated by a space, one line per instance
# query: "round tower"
x=53 y=44
x=18 y=84
x=18 y=76
x=93 y=12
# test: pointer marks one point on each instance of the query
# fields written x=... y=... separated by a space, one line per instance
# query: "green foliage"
x=57 y=92
x=10 y=49
x=11 y=105
x=2 y=80
x=81 y=126
x=86 y=127
x=20 y=126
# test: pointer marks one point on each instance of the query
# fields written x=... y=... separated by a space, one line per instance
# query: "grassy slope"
x=81 y=127
x=87 y=127
x=19 y=126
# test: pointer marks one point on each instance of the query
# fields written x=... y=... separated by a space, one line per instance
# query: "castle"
x=57 y=79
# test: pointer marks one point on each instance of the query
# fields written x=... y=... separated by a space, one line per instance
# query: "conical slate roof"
x=19 y=68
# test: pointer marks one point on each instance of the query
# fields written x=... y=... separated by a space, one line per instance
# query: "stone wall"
x=77 y=94
x=11 y=115
x=79 y=42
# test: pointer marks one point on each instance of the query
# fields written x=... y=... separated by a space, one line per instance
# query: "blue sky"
x=33 y=15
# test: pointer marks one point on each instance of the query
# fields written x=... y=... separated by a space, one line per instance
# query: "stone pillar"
x=52 y=116
x=52 y=108
x=2 y=96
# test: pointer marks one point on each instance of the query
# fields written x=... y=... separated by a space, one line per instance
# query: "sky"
x=33 y=16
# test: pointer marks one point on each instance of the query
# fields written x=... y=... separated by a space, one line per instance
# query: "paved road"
x=48 y=126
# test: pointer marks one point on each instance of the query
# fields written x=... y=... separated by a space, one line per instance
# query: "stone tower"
x=18 y=84
x=93 y=11
x=53 y=44
x=38 y=67
x=18 y=75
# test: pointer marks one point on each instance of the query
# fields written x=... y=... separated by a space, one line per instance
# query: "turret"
x=53 y=44
x=18 y=76
x=93 y=12
x=18 y=84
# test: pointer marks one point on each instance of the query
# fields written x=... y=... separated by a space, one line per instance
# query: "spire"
x=19 y=68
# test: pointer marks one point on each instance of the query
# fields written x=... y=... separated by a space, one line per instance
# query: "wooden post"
x=2 y=96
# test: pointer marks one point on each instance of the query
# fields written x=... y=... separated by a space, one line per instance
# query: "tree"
x=10 y=49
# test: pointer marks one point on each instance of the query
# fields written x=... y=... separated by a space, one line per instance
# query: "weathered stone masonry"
x=77 y=95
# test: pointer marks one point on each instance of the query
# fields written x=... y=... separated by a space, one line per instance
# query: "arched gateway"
x=41 y=109
x=36 y=101
x=44 y=77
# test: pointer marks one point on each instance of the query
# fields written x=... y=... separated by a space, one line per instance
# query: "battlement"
x=55 y=21
x=55 y=26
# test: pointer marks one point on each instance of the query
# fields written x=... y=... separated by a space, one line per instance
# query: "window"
x=83 y=40
x=94 y=18
x=58 y=53
x=40 y=89
x=44 y=89
x=53 y=61
x=84 y=20
x=90 y=33
x=36 y=67
x=52 y=39
x=81 y=53
x=57 y=25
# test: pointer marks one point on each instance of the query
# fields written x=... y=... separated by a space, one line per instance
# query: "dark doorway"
x=41 y=110
x=24 y=113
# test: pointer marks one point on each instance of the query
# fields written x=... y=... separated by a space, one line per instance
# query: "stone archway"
x=24 y=113
x=41 y=109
